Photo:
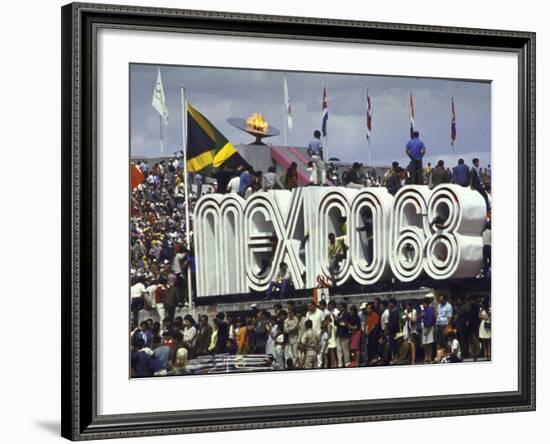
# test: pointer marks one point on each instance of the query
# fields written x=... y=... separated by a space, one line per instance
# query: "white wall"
x=30 y=215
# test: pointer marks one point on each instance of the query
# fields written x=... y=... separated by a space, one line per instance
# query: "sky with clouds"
x=222 y=93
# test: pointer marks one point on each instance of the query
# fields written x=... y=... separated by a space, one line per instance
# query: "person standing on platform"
x=476 y=183
x=415 y=149
x=315 y=150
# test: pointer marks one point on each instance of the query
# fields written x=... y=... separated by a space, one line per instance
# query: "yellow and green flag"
x=206 y=146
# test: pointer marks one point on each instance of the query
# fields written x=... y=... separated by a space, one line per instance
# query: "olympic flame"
x=257 y=122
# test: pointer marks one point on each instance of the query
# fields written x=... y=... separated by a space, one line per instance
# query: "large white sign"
x=235 y=238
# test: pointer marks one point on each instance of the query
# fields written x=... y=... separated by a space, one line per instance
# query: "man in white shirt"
x=385 y=317
x=316 y=316
x=282 y=281
x=177 y=269
x=331 y=310
x=233 y=185
x=136 y=293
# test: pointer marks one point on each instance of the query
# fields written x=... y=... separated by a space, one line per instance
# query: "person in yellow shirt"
x=242 y=338
x=336 y=252
x=427 y=174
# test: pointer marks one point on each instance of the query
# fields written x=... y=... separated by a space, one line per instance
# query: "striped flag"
x=325 y=111
x=453 y=122
x=207 y=146
x=369 y=116
x=411 y=113
x=159 y=99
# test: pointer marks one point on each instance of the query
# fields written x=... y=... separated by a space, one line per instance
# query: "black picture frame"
x=79 y=174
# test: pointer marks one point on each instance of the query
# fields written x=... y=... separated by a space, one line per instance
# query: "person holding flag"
x=159 y=103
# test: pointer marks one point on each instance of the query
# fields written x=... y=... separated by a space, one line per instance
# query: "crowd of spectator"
x=323 y=335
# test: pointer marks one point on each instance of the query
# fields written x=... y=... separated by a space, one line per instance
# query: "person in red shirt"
x=372 y=331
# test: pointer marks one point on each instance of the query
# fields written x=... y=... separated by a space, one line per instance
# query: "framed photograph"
x=339 y=214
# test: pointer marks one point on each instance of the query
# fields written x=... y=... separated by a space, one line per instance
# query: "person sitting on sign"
x=281 y=281
x=336 y=252
x=367 y=227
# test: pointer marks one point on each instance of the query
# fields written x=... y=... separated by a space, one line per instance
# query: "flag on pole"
x=369 y=116
x=159 y=99
x=411 y=113
x=136 y=175
x=453 y=122
x=325 y=111
x=207 y=146
x=288 y=106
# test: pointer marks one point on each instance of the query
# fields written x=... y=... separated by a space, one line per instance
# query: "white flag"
x=159 y=99
x=288 y=107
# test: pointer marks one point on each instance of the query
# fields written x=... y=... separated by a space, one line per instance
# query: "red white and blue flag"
x=453 y=122
x=325 y=112
x=411 y=113
x=369 y=116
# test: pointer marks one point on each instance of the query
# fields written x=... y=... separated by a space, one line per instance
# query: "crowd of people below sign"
x=323 y=335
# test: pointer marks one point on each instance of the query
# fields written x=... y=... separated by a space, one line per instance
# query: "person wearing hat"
x=353 y=178
x=403 y=355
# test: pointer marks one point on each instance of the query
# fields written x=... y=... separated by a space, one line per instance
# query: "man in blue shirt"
x=245 y=181
x=461 y=174
x=315 y=150
x=415 y=149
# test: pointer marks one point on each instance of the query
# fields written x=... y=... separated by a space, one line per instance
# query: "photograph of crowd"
x=173 y=330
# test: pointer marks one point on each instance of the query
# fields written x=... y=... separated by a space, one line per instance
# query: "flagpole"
x=326 y=135
x=187 y=227
x=368 y=128
x=161 y=137
x=285 y=118
x=370 y=154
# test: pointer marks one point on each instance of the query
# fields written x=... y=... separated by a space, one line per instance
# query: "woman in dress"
x=292 y=176
x=485 y=328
